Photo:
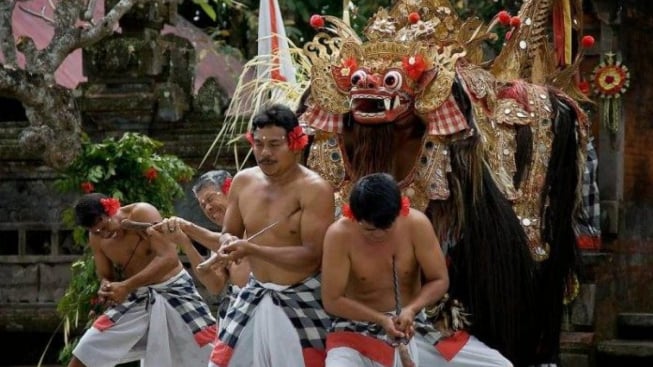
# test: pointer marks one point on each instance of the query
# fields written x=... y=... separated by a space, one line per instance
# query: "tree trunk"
x=54 y=117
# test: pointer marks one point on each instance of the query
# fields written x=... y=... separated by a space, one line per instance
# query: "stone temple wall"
x=139 y=81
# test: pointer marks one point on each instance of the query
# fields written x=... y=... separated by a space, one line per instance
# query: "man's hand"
x=181 y=223
x=226 y=239
x=177 y=237
x=236 y=250
x=406 y=322
x=168 y=225
x=389 y=324
x=103 y=299
x=114 y=292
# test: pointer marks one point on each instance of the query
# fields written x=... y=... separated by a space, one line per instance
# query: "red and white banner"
x=273 y=44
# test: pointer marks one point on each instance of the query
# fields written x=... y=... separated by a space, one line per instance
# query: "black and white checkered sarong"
x=301 y=302
x=589 y=221
x=180 y=293
x=422 y=327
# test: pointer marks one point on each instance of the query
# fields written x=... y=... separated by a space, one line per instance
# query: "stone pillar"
x=134 y=77
x=611 y=147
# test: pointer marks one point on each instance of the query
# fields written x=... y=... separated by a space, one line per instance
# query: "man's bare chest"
x=124 y=249
x=281 y=222
x=381 y=266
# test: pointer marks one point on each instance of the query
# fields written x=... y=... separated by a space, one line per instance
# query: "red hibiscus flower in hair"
x=250 y=138
x=111 y=205
x=297 y=140
x=226 y=185
x=87 y=187
x=151 y=174
x=405 y=206
x=414 y=66
x=347 y=213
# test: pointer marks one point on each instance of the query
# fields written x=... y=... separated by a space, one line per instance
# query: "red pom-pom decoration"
x=587 y=41
x=413 y=17
x=515 y=22
x=414 y=66
x=317 y=21
x=584 y=87
x=504 y=17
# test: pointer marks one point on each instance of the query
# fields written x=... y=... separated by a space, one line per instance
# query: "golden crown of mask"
x=428 y=28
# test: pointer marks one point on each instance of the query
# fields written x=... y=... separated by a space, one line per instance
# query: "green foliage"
x=484 y=9
x=236 y=22
x=82 y=288
x=207 y=8
x=130 y=169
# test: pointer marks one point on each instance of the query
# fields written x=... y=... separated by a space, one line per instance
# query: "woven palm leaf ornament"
x=611 y=79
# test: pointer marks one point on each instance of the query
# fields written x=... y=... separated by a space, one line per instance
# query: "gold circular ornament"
x=611 y=78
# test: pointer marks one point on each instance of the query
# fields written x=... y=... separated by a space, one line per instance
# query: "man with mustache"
x=284 y=209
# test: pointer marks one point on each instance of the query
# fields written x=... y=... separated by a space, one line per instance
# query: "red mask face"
x=379 y=98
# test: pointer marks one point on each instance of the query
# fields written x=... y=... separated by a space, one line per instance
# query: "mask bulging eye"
x=358 y=77
x=392 y=80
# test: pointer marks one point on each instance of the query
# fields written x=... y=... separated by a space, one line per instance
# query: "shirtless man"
x=147 y=289
x=382 y=265
x=284 y=209
x=211 y=190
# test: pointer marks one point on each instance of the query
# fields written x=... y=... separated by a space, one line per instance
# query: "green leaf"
x=208 y=9
x=95 y=174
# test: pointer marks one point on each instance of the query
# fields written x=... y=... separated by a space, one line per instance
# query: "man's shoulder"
x=247 y=174
x=313 y=179
x=142 y=212
x=341 y=228
x=254 y=170
x=416 y=216
x=141 y=207
x=417 y=223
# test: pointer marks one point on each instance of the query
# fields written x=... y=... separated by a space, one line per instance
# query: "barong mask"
x=405 y=65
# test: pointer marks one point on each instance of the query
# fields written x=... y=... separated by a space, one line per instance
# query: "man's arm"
x=336 y=268
x=431 y=261
x=233 y=220
x=213 y=278
x=205 y=237
x=317 y=214
x=165 y=251
x=103 y=265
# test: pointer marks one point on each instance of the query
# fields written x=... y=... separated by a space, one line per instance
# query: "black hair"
x=277 y=115
x=214 y=178
x=376 y=199
x=89 y=209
